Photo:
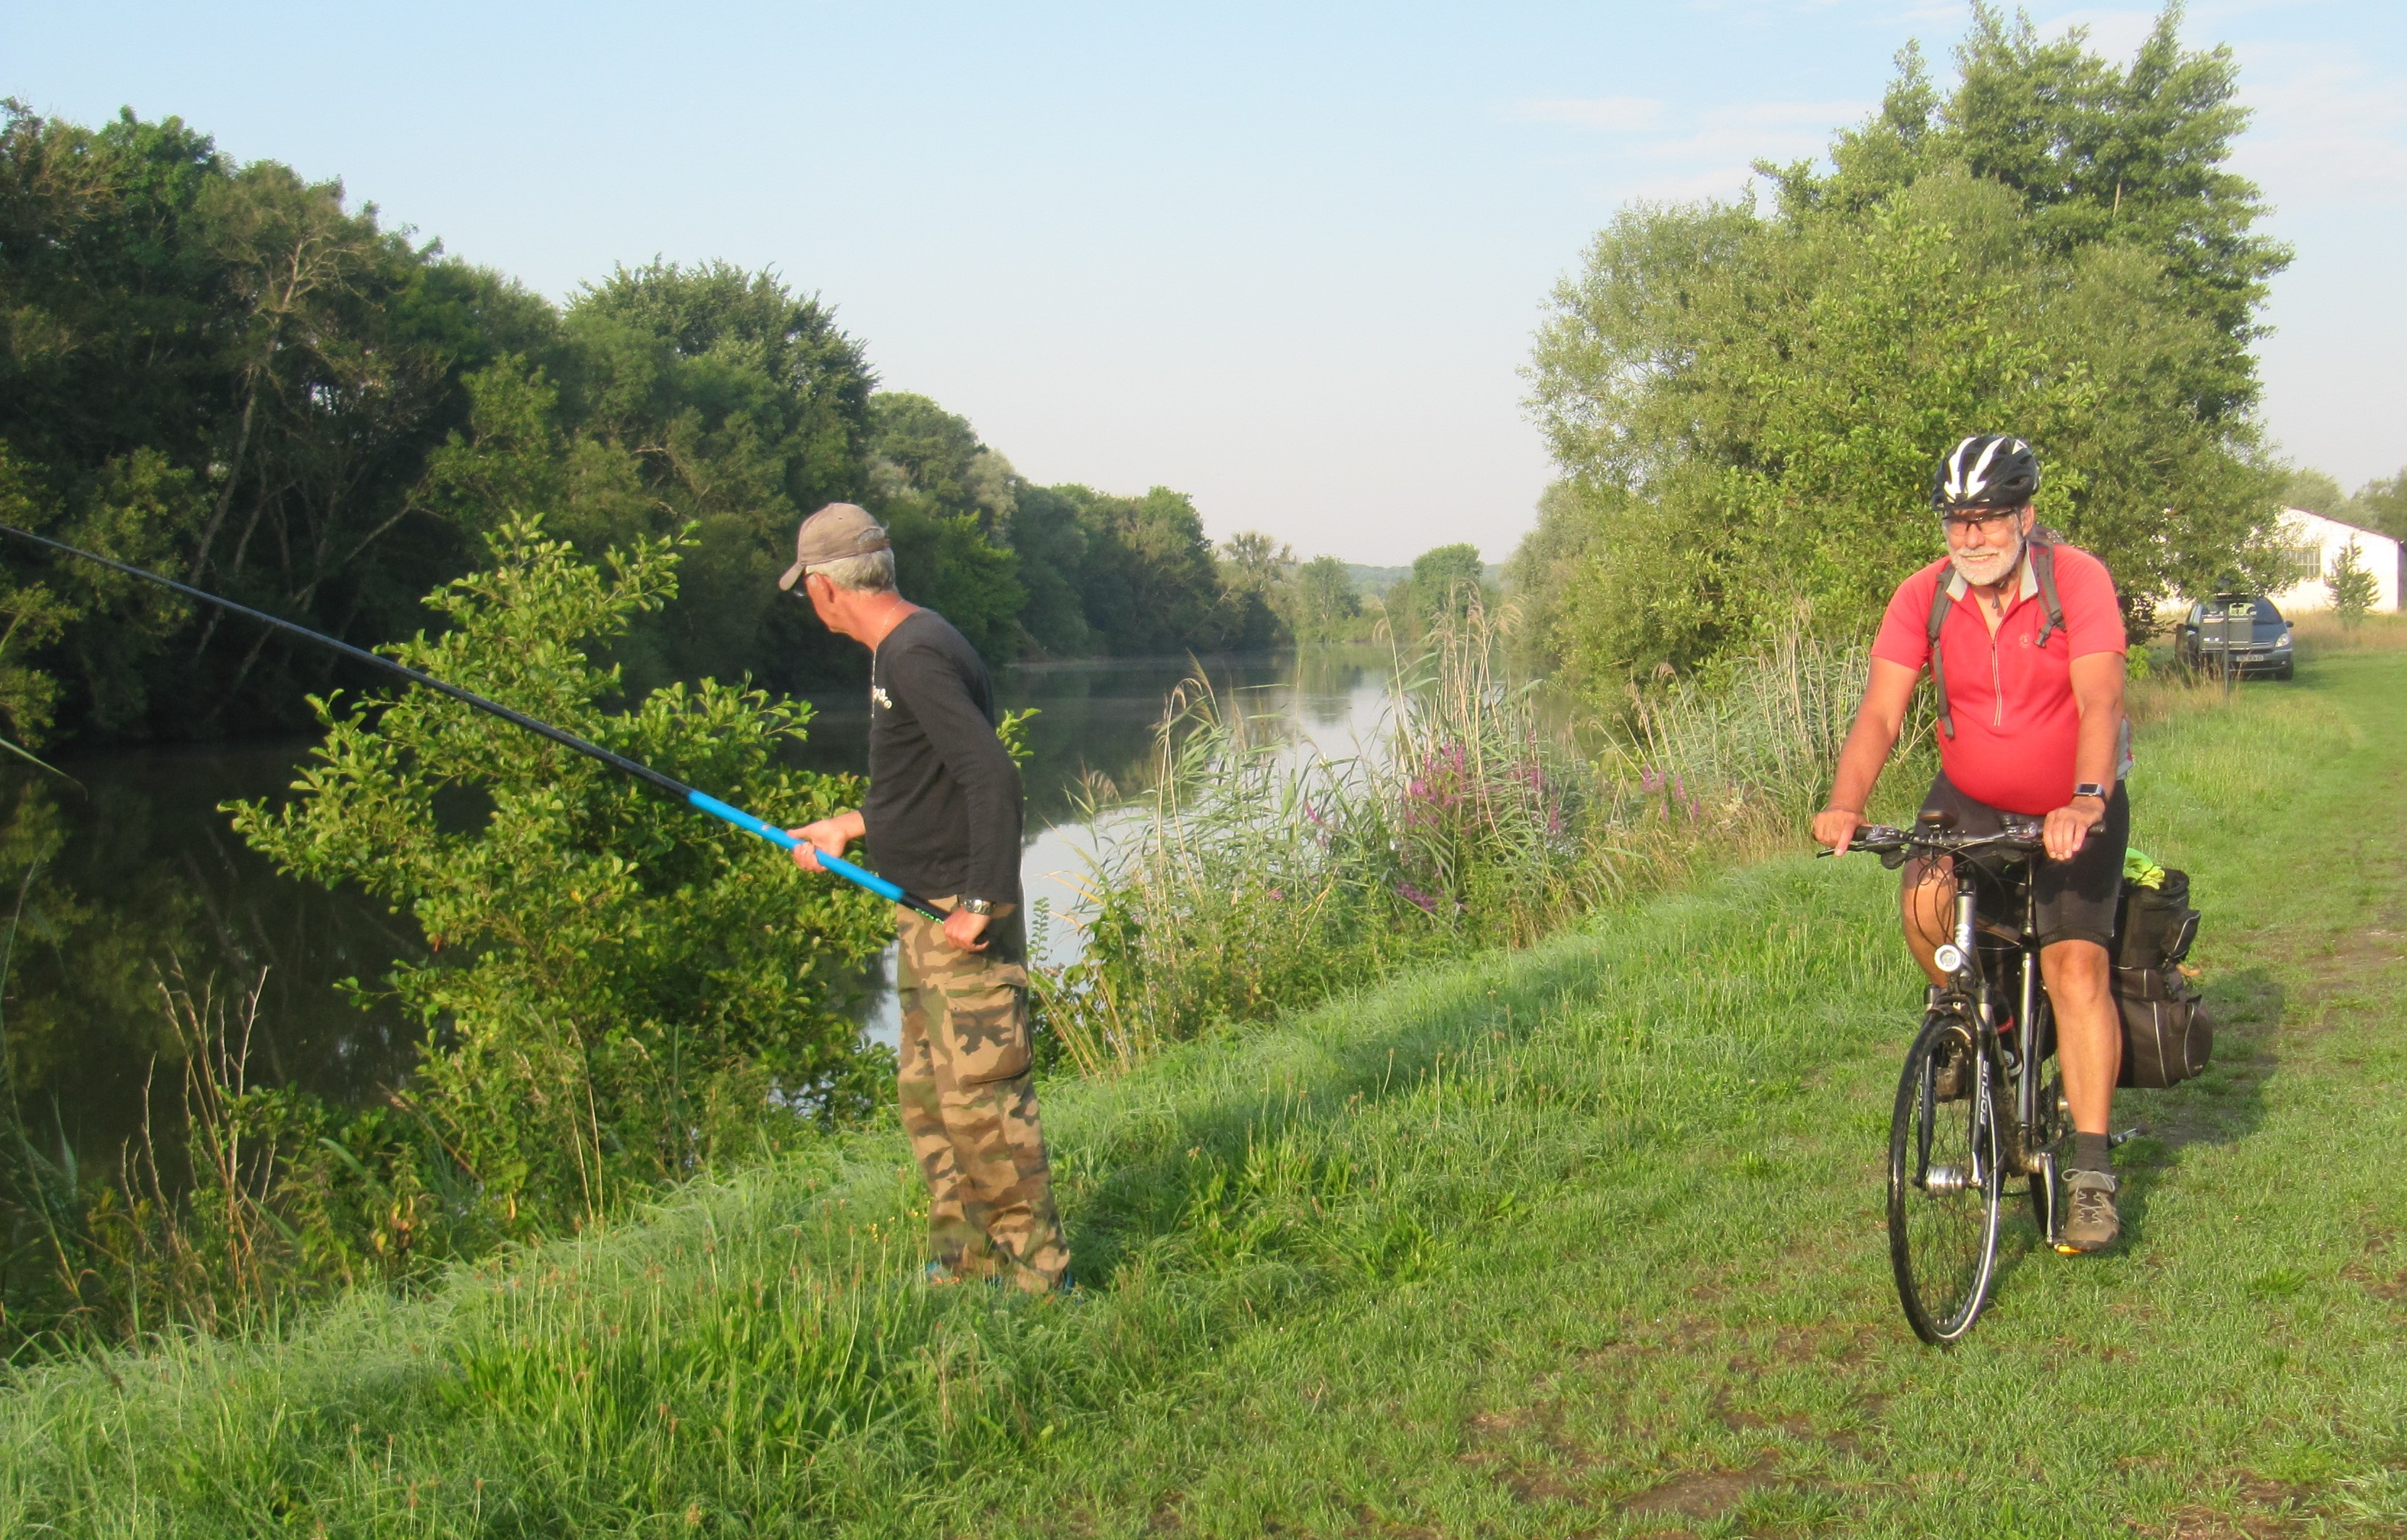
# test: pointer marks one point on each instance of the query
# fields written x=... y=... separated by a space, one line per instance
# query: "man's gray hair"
x=872 y=572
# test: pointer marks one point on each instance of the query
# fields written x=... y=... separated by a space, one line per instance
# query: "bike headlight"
x=1948 y=957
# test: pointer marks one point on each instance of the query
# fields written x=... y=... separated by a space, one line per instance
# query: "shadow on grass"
x=2218 y=1108
x=2221 y=1107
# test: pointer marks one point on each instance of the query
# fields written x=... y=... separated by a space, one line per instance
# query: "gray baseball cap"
x=834 y=533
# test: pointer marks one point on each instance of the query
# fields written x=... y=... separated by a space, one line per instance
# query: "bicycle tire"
x=1945 y=1185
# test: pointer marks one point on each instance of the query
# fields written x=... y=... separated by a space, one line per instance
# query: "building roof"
x=2358 y=529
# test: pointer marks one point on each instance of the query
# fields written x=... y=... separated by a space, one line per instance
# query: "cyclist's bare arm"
x=2098 y=696
x=1878 y=719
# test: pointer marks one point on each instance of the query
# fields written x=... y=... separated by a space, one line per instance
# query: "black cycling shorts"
x=2076 y=897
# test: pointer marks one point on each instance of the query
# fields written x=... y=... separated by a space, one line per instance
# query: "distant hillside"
x=1370 y=582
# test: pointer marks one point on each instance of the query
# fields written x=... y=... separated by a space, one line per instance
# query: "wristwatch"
x=978 y=906
x=2091 y=788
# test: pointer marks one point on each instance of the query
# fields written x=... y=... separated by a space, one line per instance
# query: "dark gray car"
x=2243 y=630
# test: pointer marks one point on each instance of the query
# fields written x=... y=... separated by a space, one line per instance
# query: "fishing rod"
x=699 y=801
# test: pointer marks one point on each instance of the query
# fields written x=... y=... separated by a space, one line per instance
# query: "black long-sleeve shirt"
x=943 y=813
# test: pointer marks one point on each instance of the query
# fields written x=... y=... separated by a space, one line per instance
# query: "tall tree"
x=1751 y=403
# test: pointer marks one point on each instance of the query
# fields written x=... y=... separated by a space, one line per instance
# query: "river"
x=138 y=873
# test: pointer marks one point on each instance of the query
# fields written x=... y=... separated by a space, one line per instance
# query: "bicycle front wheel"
x=1945 y=1181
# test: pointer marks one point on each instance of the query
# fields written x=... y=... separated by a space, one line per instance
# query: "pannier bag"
x=2167 y=1037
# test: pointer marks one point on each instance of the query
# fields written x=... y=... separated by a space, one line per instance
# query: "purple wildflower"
x=1415 y=895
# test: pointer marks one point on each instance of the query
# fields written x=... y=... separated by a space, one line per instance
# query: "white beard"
x=1989 y=566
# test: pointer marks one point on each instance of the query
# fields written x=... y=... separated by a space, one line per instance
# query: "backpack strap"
x=2042 y=561
x=1939 y=607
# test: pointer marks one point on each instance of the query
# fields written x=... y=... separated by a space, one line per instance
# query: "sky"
x=1287 y=257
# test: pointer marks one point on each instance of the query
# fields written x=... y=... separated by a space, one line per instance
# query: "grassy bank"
x=1582 y=1239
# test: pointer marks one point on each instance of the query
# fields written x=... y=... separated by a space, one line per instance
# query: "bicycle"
x=1956 y=1138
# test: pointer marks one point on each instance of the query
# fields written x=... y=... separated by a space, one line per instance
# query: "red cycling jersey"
x=2009 y=698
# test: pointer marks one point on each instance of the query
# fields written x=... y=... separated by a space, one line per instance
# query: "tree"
x=2352 y=585
x=2135 y=156
x=2382 y=504
x=1321 y=604
x=2312 y=491
x=1252 y=573
x=1751 y=404
x=743 y=408
x=1545 y=568
x=947 y=500
x=1445 y=581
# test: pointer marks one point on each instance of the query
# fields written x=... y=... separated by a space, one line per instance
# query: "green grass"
x=1580 y=1240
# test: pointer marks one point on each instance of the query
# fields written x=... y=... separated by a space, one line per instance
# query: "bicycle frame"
x=1970 y=990
x=2025 y=1060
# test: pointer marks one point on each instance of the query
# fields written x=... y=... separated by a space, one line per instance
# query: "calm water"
x=138 y=873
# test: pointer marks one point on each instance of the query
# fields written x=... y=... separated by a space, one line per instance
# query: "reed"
x=1252 y=876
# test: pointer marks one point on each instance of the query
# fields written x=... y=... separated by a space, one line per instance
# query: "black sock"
x=2090 y=1152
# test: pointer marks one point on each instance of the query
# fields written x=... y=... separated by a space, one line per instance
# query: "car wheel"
x=2283 y=672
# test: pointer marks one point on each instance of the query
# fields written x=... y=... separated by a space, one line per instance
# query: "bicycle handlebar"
x=2021 y=835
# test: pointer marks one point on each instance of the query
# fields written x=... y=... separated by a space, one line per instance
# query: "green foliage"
x=2381 y=505
x=1321 y=604
x=1749 y=406
x=2312 y=490
x=2353 y=588
x=631 y=982
x=1253 y=574
x=1445 y=584
x=232 y=373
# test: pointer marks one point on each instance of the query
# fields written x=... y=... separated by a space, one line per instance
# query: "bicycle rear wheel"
x=1944 y=1182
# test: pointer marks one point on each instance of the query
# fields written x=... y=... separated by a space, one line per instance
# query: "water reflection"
x=136 y=871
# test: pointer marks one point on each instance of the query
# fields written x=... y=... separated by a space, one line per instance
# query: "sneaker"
x=2090 y=1223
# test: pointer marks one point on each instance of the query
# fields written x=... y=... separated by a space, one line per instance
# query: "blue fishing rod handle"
x=774 y=835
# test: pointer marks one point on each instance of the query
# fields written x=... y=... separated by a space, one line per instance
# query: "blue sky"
x=1287 y=257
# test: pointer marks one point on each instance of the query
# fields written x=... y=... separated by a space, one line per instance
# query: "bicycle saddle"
x=1936 y=821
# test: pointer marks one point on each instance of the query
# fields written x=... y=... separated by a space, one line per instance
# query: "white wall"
x=2327 y=537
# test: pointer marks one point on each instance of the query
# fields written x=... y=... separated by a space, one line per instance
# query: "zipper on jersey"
x=1997 y=681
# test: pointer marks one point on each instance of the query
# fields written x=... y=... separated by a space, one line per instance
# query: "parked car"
x=2242 y=629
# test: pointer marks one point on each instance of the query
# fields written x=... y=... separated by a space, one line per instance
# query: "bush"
x=624 y=992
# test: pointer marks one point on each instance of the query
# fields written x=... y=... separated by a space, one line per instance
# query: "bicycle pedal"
x=2137 y=1130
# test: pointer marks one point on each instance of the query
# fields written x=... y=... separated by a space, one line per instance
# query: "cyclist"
x=2030 y=696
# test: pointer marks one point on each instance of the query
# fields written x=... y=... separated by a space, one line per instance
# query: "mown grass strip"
x=1583 y=1239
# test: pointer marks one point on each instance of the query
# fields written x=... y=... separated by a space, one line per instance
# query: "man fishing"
x=943 y=816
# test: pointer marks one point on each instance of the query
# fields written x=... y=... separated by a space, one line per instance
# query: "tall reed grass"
x=1254 y=875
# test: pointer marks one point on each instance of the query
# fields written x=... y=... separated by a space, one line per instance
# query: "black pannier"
x=2167 y=1036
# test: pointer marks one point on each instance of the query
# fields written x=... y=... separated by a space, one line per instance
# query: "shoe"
x=2091 y=1223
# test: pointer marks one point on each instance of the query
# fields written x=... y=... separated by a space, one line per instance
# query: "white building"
x=2314 y=543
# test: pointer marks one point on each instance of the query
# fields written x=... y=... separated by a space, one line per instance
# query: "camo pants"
x=969 y=1104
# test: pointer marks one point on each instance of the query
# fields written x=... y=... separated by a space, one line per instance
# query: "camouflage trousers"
x=969 y=1104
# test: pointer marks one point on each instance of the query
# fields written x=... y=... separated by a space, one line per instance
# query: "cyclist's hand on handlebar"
x=2068 y=828
x=1833 y=827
